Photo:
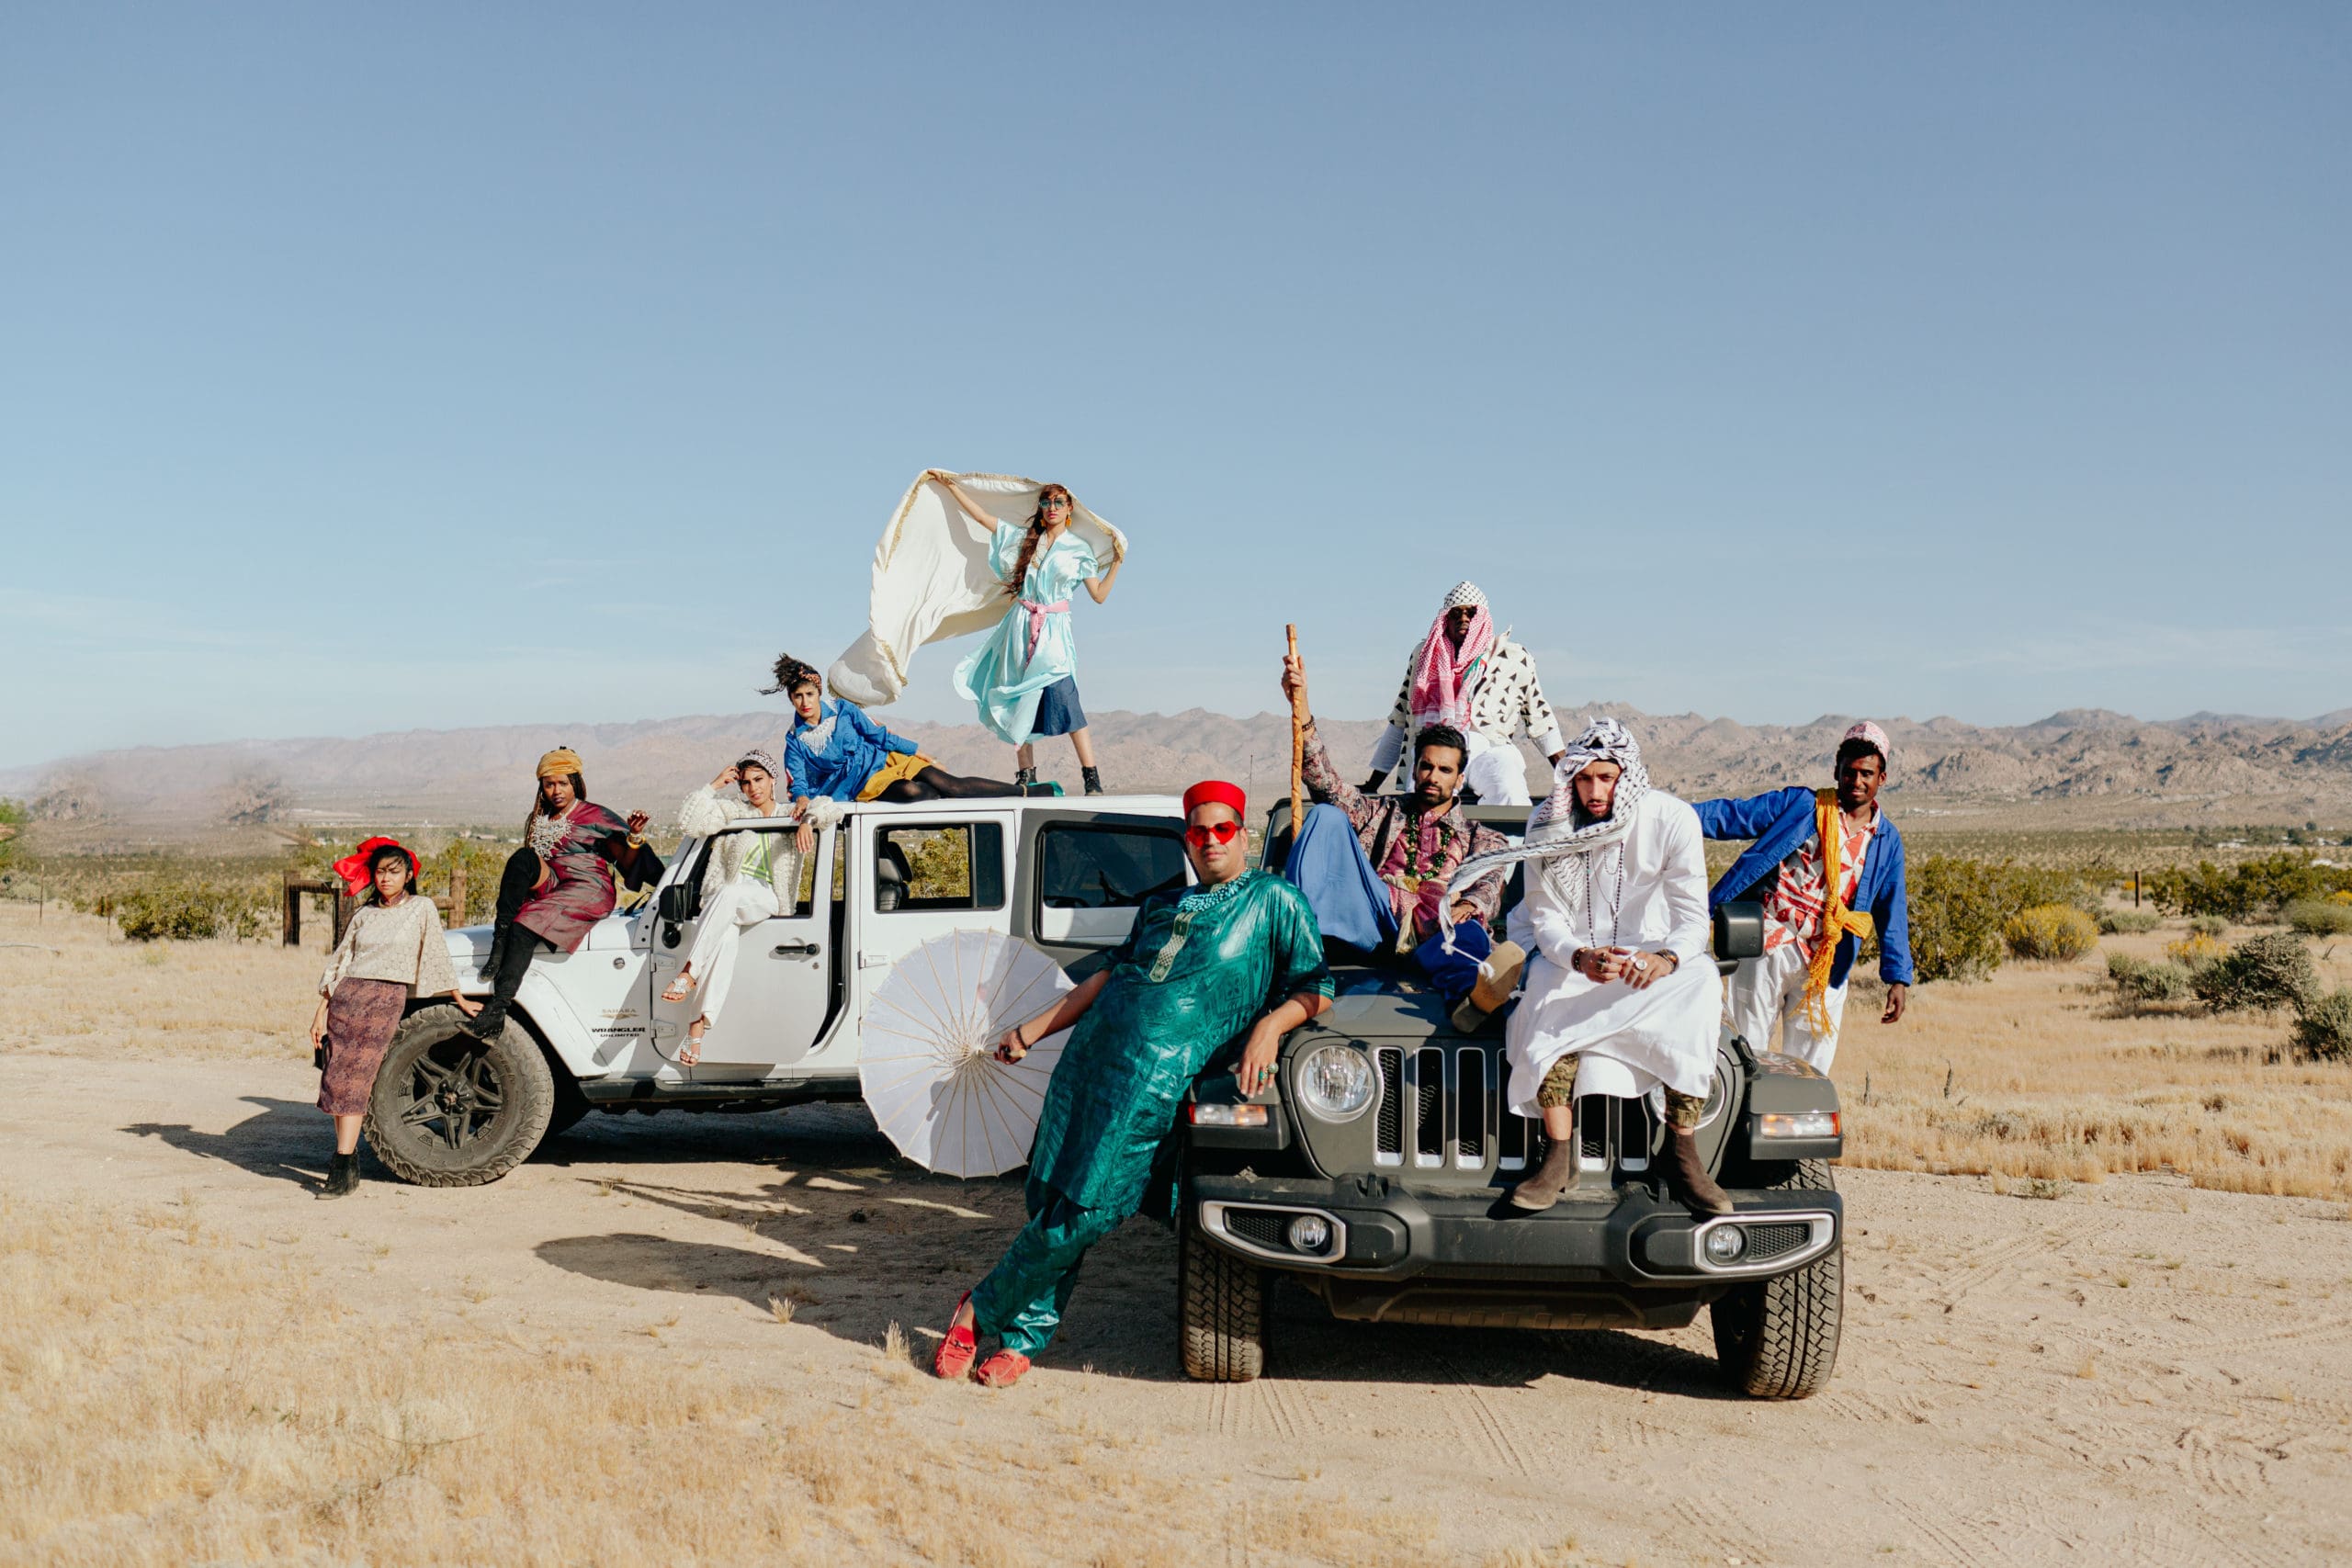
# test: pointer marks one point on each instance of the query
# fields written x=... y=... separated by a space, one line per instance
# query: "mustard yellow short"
x=902 y=765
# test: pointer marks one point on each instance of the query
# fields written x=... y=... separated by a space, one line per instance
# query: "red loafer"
x=957 y=1350
x=1003 y=1369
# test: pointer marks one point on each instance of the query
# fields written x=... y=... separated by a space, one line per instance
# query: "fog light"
x=1811 y=1124
x=1309 y=1233
x=1726 y=1243
x=1226 y=1115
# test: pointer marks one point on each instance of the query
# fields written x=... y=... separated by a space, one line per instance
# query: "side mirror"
x=1739 y=929
x=675 y=906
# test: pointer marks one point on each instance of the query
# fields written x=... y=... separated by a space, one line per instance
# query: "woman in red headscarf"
x=391 y=951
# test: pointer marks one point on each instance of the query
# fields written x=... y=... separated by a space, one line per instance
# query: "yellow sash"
x=1836 y=918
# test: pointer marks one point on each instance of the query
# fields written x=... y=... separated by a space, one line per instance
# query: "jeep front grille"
x=1440 y=1109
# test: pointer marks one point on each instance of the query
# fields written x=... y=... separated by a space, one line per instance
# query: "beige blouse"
x=394 y=941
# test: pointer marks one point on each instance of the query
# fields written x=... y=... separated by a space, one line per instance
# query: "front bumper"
x=1379 y=1229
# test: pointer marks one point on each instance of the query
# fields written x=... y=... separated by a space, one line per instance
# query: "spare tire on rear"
x=451 y=1111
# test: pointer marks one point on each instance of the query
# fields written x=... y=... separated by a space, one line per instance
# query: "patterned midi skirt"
x=361 y=1018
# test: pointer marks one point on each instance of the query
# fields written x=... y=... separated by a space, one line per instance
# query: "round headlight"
x=1726 y=1243
x=1309 y=1233
x=1335 y=1082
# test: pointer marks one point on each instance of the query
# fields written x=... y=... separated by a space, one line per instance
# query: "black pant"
x=511 y=948
x=937 y=784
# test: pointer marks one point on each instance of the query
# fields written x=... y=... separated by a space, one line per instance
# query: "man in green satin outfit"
x=1238 y=955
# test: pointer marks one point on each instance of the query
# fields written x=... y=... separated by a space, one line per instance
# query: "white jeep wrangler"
x=588 y=1032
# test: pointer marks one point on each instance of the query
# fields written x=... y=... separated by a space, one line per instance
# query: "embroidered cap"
x=1870 y=735
x=761 y=759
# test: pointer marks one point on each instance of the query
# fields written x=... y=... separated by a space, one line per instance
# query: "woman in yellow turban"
x=561 y=882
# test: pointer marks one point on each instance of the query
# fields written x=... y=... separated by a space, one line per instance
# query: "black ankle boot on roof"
x=1094 y=777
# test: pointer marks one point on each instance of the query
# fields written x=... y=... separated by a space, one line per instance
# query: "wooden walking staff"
x=1298 y=743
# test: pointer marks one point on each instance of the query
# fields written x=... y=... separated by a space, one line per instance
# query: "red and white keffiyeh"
x=1443 y=673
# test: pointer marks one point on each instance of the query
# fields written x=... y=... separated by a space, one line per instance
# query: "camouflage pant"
x=1559 y=1089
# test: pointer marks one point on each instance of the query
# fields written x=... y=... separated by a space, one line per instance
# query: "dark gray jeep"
x=1375 y=1173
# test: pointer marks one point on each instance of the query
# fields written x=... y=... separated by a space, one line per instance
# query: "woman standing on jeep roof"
x=836 y=753
x=391 y=951
x=752 y=876
x=1024 y=677
x=561 y=882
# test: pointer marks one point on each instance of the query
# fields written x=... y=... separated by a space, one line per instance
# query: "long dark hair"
x=1034 y=538
x=389 y=852
x=791 y=672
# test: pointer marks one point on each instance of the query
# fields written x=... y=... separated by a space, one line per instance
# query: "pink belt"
x=1037 y=614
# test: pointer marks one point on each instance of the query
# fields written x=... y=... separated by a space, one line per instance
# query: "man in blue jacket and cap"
x=1828 y=866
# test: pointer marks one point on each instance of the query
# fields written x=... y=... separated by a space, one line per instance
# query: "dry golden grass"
x=168 y=1396
x=76 y=985
x=2038 y=1074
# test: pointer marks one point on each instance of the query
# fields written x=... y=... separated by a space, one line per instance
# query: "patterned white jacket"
x=1509 y=696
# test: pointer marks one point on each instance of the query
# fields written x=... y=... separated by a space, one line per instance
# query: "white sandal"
x=680 y=988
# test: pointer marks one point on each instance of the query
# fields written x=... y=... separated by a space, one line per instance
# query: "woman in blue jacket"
x=836 y=753
x=1828 y=866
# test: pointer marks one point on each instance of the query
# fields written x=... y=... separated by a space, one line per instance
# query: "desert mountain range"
x=2077 y=768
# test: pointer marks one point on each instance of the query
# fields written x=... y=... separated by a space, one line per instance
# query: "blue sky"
x=431 y=366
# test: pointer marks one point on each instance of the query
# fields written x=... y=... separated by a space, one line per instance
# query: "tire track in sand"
x=1474 y=1415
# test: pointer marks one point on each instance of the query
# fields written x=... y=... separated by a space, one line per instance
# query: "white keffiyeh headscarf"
x=1551 y=833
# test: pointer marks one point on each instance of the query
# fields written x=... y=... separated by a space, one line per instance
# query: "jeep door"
x=779 y=997
x=921 y=873
x=1084 y=873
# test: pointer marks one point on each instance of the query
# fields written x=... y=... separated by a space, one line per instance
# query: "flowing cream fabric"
x=931 y=580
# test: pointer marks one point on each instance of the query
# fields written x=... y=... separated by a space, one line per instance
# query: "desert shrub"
x=2320 y=917
x=2050 y=931
x=2209 y=925
x=1959 y=909
x=181 y=911
x=2127 y=922
x=2139 y=981
x=12 y=823
x=2271 y=970
x=2323 y=1031
x=2195 y=951
x=2250 y=887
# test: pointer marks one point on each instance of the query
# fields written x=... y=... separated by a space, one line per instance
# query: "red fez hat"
x=354 y=867
x=1215 y=792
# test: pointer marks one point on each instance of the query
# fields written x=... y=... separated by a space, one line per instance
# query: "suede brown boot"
x=1543 y=1185
x=1686 y=1175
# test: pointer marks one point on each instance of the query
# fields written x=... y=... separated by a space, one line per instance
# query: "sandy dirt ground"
x=2137 y=1371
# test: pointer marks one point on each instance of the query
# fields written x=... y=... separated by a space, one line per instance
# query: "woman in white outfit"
x=1620 y=996
x=751 y=876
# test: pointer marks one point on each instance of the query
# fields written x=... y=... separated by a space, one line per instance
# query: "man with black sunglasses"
x=1374 y=867
x=1235 y=959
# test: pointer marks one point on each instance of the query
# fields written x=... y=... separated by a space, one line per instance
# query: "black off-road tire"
x=1777 y=1337
x=451 y=1111
x=1220 y=1310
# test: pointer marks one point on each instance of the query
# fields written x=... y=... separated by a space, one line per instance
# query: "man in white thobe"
x=1619 y=997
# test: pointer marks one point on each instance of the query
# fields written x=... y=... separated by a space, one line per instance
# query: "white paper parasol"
x=928 y=1063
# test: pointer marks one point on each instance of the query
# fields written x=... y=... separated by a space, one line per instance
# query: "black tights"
x=512 y=947
x=937 y=784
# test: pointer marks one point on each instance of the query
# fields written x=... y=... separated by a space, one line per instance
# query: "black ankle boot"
x=343 y=1176
x=1687 y=1174
x=1542 y=1187
x=1024 y=778
x=1094 y=777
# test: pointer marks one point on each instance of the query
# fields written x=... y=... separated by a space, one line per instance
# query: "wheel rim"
x=454 y=1096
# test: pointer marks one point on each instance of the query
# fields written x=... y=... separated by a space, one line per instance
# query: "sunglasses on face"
x=1201 y=835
